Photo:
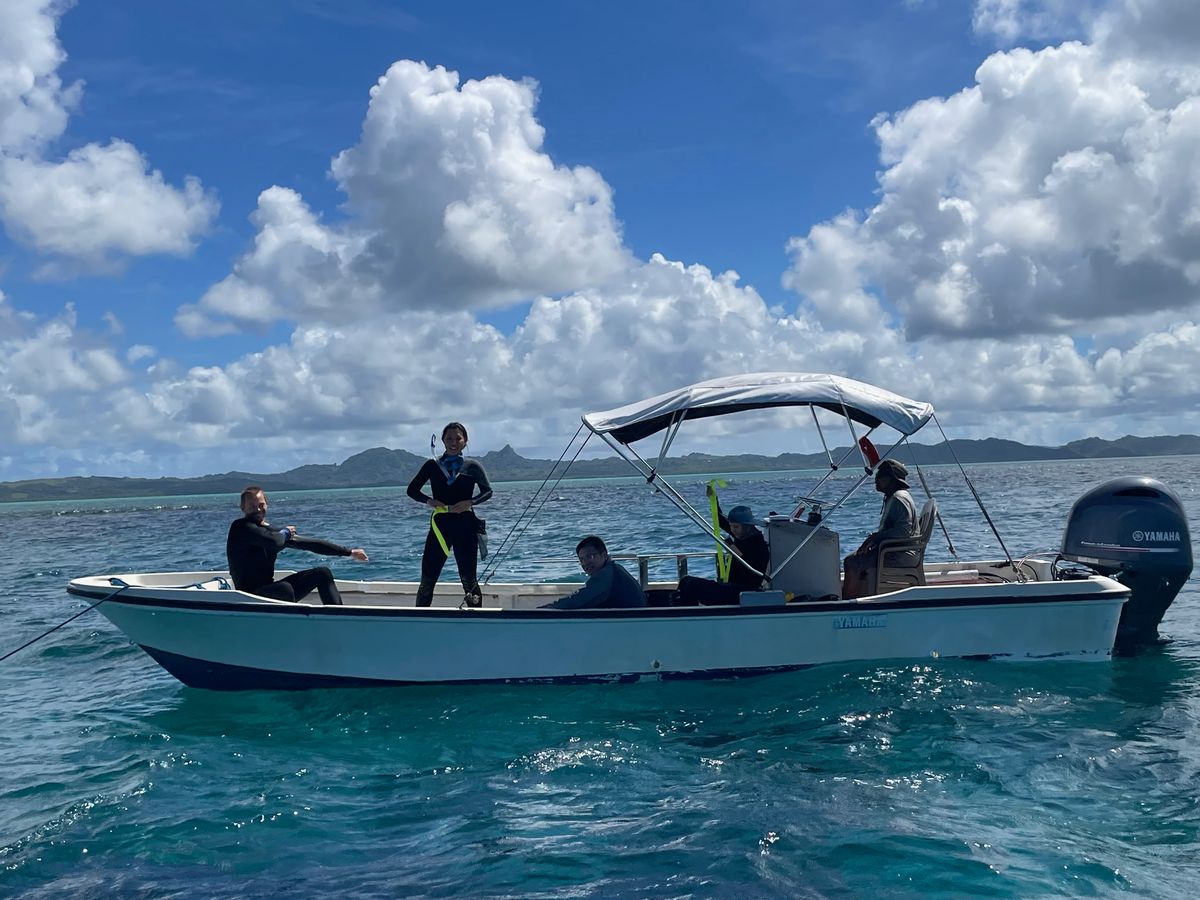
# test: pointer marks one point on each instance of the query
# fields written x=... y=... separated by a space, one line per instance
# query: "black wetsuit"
x=754 y=553
x=460 y=530
x=251 y=550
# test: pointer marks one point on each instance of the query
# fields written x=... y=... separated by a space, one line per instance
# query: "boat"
x=1126 y=552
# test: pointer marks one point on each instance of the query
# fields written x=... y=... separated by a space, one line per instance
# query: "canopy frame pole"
x=525 y=518
x=833 y=466
x=821 y=434
x=928 y=493
x=776 y=569
x=854 y=440
x=668 y=439
x=668 y=490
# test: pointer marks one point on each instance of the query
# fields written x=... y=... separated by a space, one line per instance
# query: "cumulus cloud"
x=102 y=203
x=53 y=377
x=98 y=202
x=1057 y=191
x=451 y=204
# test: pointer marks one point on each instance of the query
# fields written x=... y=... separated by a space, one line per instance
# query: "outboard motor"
x=1133 y=529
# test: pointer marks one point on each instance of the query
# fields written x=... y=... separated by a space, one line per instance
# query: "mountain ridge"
x=383 y=467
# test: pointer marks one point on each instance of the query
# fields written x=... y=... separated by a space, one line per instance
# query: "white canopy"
x=863 y=403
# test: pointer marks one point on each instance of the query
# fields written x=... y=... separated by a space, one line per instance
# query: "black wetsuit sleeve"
x=481 y=480
x=722 y=521
x=420 y=480
x=262 y=536
x=316 y=545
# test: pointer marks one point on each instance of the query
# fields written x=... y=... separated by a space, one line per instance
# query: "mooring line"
x=67 y=621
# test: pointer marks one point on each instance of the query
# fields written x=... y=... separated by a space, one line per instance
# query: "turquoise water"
x=944 y=779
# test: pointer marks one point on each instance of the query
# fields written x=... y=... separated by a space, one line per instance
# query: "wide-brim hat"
x=743 y=515
x=895 y=469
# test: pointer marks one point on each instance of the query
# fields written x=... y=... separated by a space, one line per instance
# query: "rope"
x=221 y=580
x=510 y=539
x=979 y=501
x=71 y=619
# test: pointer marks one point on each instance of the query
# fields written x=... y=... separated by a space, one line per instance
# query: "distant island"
x=380 y=467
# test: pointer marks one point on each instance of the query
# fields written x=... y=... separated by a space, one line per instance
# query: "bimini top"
x=863 y=403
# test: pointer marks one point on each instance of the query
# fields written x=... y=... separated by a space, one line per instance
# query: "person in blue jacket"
x=608 y=585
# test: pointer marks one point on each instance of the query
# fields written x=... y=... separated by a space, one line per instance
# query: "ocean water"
x=934 y=779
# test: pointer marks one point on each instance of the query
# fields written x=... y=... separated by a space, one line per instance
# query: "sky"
x=258 y=235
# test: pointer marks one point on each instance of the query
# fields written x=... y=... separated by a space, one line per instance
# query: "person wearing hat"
x=898 y=519
x=750 y=552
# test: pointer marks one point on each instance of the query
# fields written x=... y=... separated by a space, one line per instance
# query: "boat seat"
x=891 y=574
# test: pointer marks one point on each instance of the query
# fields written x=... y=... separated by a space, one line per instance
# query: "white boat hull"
x=225 y=639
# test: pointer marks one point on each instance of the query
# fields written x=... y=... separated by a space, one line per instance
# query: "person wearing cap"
x=898 y=519
x=750 y=552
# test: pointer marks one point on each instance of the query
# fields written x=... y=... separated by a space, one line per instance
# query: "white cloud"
x=1058 y=191
x=100 y=202
x=99 y=205
x=451 y=204
x=1156 y=31
x=34 y=105
x=53 y=379
x=139 y=352
x=1012 y=20
x=391 y=379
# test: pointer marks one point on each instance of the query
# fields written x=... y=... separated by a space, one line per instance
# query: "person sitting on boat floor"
x=898 y=519
x=254 y=543
x=750 y=552
x=608 y=585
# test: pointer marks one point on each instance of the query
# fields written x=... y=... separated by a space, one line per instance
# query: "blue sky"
x=215 y=238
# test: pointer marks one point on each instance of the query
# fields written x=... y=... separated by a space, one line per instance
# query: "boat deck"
x=941 y=579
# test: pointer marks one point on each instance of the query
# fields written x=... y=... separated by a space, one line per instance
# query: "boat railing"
x=643 y=562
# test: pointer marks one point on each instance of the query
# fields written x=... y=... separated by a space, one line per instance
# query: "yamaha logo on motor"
x=1140 y=536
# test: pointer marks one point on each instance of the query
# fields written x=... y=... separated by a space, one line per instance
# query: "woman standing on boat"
x=452 y=480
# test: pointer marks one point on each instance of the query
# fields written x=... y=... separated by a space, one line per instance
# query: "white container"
x=814 y=571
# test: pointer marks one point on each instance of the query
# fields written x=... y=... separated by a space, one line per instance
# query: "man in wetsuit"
x=750 y=553
x=253 y=544
x=608 y=585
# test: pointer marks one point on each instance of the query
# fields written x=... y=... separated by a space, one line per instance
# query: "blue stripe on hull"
x=222 y=677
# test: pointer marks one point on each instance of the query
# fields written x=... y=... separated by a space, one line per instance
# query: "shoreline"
x=12 y=502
